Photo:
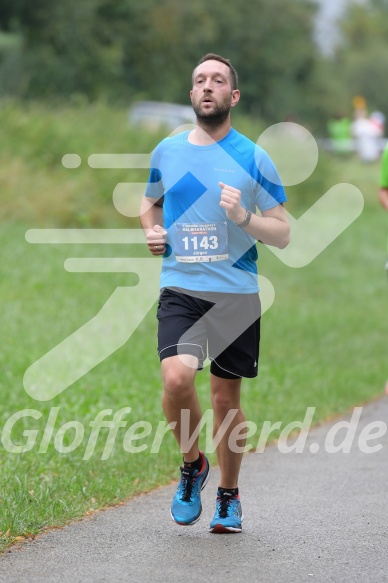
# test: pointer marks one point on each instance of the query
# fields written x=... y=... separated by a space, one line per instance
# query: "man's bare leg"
x=178 y=374
x=225 y=395
x=179 y=393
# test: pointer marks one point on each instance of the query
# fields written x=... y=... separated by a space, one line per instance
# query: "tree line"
x=125 y=50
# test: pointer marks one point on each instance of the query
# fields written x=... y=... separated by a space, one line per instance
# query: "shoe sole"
x=198 y=517
x=186 y=523
x=221 y=529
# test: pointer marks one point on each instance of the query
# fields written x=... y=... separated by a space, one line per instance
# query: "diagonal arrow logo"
x=95 y=341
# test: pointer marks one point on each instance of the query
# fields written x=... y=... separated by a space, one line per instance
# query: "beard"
x=215 y=117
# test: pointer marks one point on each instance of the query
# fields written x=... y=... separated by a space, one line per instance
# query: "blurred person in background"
x=367 y=133
x=339 y=131
x=383 y=191
x=383 y=196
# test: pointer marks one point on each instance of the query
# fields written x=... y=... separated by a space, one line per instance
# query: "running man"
x=199 y=213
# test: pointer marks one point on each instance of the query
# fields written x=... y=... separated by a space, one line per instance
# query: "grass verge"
x=322 y=347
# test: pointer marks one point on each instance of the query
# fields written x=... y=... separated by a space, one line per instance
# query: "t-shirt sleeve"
x=384 y=169
x=154 y=188
x=269 y=191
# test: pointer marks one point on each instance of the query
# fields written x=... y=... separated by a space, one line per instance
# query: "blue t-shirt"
x=213 y=253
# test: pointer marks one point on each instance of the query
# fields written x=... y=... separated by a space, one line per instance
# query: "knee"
x=225 y=395
x=222 y=403
x=177 y=384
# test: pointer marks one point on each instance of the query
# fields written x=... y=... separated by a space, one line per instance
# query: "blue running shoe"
x=186 y=505
x=228 y=516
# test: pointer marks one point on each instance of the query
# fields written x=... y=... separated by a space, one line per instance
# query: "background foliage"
x=123 y=50
x=322 y=344
x=68 y=72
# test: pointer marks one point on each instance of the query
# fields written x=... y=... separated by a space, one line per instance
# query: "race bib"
x=201 y=242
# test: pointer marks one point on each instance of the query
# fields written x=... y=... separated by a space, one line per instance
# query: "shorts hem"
x=229 y=374
x=193 y=350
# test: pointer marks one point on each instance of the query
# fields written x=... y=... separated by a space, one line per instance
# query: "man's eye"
x=219 y=81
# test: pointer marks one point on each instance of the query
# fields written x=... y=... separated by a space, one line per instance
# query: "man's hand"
x=156 y=240
x=230 y=201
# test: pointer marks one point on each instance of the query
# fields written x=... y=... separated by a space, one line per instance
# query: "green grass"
x=322 y=340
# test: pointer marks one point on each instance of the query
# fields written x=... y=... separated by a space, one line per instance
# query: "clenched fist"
x=230 y=201
x=156 y=240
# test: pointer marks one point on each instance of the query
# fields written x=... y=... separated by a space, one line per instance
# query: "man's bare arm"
x=151 y=218
x=271 y=228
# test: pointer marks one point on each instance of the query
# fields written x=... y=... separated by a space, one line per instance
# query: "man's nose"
x=208 y=86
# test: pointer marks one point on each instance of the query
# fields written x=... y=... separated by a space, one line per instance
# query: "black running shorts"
x=224 y=326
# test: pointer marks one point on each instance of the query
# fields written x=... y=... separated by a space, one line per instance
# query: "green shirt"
x=384 y=169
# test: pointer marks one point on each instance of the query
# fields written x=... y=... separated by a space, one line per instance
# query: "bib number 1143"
x=200 y=242
x=203 y=242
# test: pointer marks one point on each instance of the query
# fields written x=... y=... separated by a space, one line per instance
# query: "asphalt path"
x=315 y=516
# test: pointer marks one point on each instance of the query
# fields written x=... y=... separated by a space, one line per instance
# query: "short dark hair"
x=215 y=57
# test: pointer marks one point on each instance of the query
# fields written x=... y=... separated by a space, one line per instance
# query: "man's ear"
x=235 y=97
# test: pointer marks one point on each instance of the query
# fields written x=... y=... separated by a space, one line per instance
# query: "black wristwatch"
x=246 y=220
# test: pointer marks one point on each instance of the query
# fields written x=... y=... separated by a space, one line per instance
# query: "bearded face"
x=210 y=110
x=212 y=96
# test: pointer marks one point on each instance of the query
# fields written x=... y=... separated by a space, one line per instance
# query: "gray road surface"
x=309 y=517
